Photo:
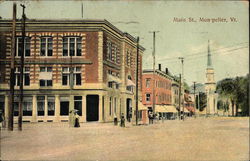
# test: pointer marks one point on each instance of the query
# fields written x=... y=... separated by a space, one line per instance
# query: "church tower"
x=210 y=86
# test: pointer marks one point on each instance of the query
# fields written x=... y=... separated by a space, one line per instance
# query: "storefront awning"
x=112 y=78
x=130 y=83
x=171 y=108
x=160 y=108
x=141 y=106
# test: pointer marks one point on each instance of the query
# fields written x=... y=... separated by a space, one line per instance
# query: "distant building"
x=163 y=92
x=87 y=65
x=210 y=86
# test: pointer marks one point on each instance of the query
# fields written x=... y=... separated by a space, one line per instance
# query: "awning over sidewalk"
x=171 y=108
x=112 y=78
x=160 y=108
x=141 y=106
x=130 y=83
x=165 y=108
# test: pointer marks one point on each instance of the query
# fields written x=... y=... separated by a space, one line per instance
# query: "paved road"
x=193 y=139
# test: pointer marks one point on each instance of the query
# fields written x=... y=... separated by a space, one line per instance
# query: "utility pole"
x=182 y=83
x=20 y=109
x=180 y=97
x=12 y=69
x=154 y=71
x=137 y=67
x=199 y=102
x=194 y=102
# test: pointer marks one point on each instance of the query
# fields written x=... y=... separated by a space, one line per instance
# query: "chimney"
x=166 y=70
x=159 y=67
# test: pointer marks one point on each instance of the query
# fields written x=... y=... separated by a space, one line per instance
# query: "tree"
x=202 y=100
x=236 y=91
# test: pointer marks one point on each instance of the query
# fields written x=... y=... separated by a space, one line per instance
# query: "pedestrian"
x=122 y=121
x=1 y=118
x=115 y=120
x=77 y=121
x=150 y=116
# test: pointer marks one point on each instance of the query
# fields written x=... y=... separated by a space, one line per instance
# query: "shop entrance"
x=92 y=107
x=129 y=109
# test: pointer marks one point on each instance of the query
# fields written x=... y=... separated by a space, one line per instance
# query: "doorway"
x=129 y=109
x=92 y=107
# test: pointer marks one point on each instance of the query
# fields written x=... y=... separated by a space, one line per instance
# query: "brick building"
x=88 y=65
x=163 y=93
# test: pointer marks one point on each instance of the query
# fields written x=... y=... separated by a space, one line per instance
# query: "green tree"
x=234 y=90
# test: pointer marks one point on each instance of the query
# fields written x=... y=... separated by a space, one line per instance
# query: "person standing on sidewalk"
x=122 y=120
x=77 y=120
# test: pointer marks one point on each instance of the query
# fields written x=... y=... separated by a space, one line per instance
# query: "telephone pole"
x=180 y=97
x=154 y=71
x=137 y=67
x=20 y=109
x=182 y=83
x=194 y=101
x=12 y=69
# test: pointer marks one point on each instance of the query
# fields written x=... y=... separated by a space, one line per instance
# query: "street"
x=193 y=139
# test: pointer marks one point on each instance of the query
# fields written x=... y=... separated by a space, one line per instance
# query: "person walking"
x=77 y=120
x=122 y=120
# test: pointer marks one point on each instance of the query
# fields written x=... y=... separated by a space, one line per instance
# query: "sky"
x=229 y=40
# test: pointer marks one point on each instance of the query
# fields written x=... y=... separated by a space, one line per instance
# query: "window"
x=64 y=106
x=117 y=86
x=17 y=76
x=26 y=46
x=110 y=106
x=78 y=104
x=65 y=76
x=76 y=74
x=115 y=106
x=45 y=77
x=27 y=106
x=109 y=51
x=51 y=106
x=116 y=55
x=110 y=84
x=129 y=58
x=26 y=77
x=147 y=97
x=147 y=82
x=46 y=46
x=40 y=105
x=72 y=46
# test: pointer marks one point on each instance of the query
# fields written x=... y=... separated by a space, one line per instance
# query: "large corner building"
x=88 y=65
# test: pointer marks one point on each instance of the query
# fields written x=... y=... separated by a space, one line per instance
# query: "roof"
x=145 y=71
x=67 y=24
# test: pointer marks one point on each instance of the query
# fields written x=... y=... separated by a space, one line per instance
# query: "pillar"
x=57 y=108
x=6 y=108
x=71 y=108
x=100 y=109
x=34 y=108
x=84 y=111
x=46 y=107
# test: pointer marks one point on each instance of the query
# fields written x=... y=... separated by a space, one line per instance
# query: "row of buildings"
x=87 y=65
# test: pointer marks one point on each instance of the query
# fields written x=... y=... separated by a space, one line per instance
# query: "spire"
x=209 y=61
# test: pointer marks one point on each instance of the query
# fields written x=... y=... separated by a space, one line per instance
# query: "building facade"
x=86 y=65
x=163 y=91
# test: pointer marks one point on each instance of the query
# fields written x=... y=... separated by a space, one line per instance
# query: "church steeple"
x=209 y=60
